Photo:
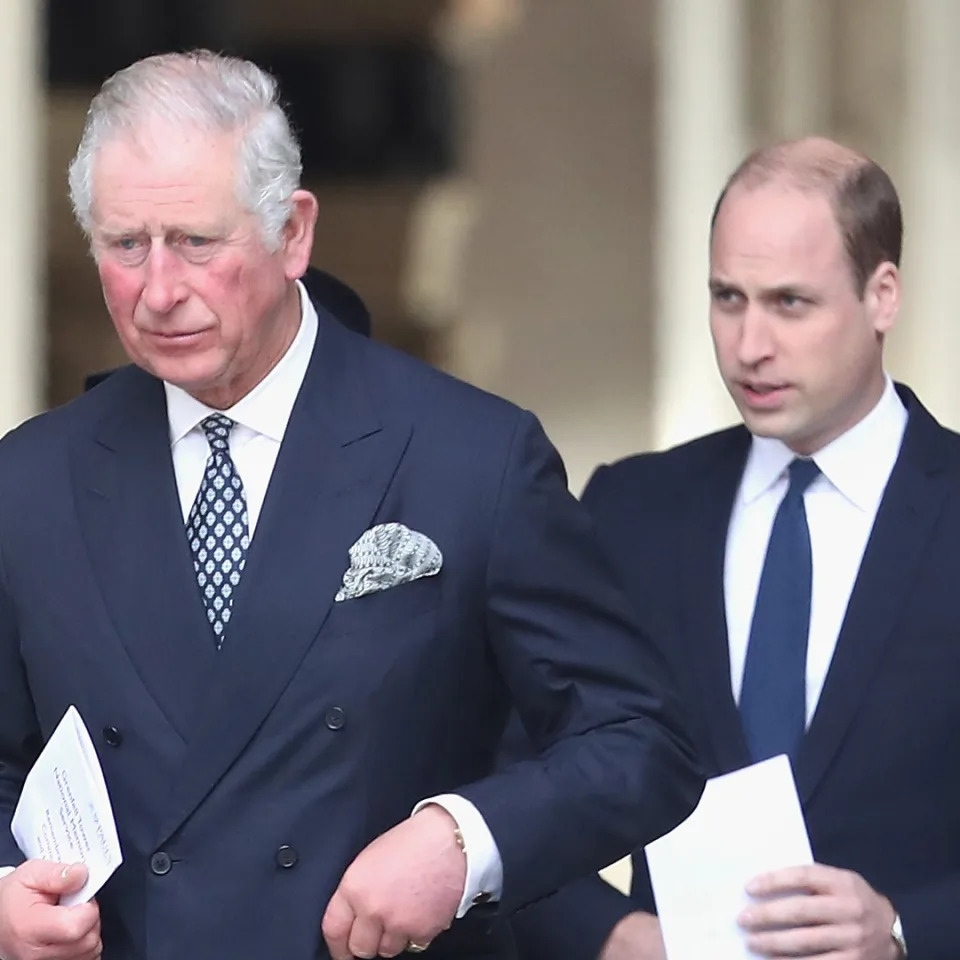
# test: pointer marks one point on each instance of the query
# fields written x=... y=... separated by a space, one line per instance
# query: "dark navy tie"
x=217 y=527
x=773 y=699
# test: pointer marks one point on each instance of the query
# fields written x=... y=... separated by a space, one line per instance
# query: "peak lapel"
x=703 y=613
x=905 y=521
x=129 y=514
x=336 y=461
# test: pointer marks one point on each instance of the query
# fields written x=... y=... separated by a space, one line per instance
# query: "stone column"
x=800 y=46
x=555 y=307
x=21 y=106
x=702 y=136
x=925 y=350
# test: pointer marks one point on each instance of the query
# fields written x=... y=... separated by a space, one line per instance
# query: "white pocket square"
x=385 y=556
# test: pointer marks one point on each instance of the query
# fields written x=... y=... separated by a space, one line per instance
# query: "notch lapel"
x=130 y=518
x=905 y=521
x=703 y=608
x=335 y=464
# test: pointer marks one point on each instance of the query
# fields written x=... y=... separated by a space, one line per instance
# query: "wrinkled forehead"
x=164 y=164
x=155 y=140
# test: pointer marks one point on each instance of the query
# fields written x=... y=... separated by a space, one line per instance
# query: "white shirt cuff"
x=6 y=871
x=484 y=881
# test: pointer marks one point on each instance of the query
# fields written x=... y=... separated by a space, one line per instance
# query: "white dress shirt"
x=261 y=419
x=841 y=505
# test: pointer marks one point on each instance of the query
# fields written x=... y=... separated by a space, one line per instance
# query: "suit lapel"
x=335 y=464
x=129 y=514
x=703 y=612
x=905 y=521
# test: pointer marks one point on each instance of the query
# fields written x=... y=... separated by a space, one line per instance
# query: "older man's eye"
x=196 y=241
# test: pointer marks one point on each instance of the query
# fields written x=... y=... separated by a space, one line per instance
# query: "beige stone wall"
x=80 y=337
x=21 y=214
x=565 y=296
x=558 y=296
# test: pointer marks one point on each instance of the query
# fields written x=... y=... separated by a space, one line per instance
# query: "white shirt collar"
x=267 y=407
x=875 y=440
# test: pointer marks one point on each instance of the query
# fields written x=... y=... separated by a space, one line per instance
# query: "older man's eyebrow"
x=115 y=233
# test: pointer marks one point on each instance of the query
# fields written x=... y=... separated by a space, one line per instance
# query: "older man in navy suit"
x=293 y=581
x=804 y=568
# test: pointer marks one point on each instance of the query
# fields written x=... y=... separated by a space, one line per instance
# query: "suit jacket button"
x=336 y=718
x=112 y=736
x=160 y=863
x=287 y=857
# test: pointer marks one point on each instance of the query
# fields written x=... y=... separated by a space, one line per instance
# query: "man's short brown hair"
x=864 y=200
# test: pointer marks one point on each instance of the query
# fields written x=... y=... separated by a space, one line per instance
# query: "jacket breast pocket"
x=395 y=606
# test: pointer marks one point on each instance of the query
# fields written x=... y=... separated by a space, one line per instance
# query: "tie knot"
x=217 y=427
x=802 y=473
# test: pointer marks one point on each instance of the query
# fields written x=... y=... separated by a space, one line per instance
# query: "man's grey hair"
x=211 y=92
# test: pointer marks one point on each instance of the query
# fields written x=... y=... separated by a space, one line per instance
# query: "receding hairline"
x=812 y=165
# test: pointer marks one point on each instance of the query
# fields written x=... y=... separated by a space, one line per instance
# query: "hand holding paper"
x=747 y=823
x=64 y=813
x=32 y=922
x=815 y=910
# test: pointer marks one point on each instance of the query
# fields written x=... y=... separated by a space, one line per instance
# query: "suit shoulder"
x=437 y=396
x=44 y=434
x=674 y=467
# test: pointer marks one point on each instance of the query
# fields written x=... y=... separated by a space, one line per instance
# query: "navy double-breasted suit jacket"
x=244 y=782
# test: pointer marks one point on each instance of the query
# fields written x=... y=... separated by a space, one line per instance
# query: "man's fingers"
x=86 y=945
x=76 y=924
x=44 y=876
x=337 y=921
x=821 y=943
x=392 y=943
x=813 y=878
x=803 y=911
x=33 y=924
x=364 y=940
x=404 y=885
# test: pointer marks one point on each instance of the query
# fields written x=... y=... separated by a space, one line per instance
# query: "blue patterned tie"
x=773 y=699
x=217 y=527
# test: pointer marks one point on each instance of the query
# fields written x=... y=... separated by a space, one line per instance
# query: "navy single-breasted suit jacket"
x=878 y=770
x=244 y=782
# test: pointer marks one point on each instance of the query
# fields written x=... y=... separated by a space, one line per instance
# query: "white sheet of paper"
x=747 y=823
x=64 y=812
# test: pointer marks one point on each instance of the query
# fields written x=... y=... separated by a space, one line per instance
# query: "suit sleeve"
x=20 y=737
x=931 y=921
x=576 y=921
x=615 y=767
x=573 y=924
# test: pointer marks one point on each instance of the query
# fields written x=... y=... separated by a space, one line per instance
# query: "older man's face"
x=196 y=297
